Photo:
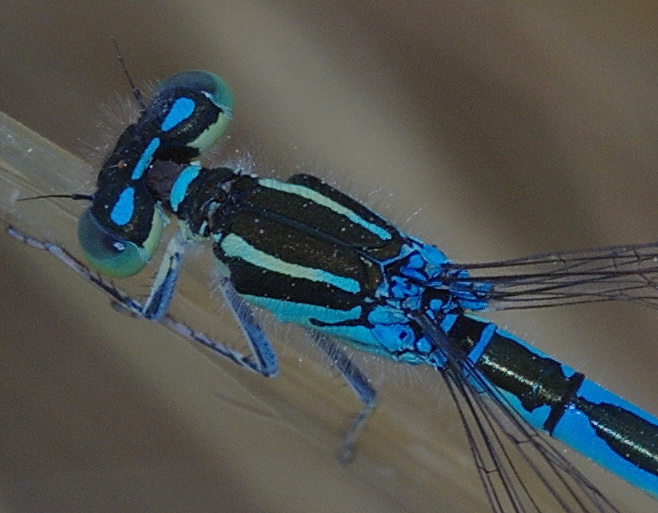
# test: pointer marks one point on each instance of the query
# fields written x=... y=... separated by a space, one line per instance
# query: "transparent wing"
x=519 y=467
x=627 y=273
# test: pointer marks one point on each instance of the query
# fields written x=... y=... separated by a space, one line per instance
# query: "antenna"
x=136 y=92
x=87 y=197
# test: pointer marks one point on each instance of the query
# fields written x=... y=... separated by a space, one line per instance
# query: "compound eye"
x=199 y=105
x=204 y=82
x=114 y=255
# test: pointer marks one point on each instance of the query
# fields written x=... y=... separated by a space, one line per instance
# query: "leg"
x=358 y=382
x=258 y=343
x=164 y=283
x=263 y=359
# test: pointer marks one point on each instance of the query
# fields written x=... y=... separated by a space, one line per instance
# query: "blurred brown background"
x=492 y=129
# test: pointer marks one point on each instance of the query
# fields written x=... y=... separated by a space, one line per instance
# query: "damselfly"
x=313 y=256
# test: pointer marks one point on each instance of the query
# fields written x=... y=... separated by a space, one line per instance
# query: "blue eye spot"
x=180 y=111
x=123 y=209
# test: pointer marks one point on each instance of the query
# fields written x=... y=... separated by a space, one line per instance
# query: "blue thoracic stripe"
x=286 y=311
x=179 y=189
x=326 y=202
x=145 y=159
x=181 y=110
x=235 y=246
x=124 y=208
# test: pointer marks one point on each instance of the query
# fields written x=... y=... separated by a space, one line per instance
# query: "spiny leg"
x=263 y=358
x=262 y=351
x=258 y=342
x=359 y=384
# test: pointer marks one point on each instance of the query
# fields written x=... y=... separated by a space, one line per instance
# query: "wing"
x=627 y=273
x=520 y=469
